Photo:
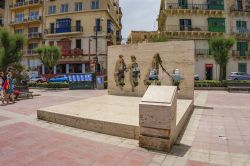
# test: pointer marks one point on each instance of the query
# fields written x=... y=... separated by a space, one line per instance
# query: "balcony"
x=34 y=35
x=31 y=52
x=240 y=11
x=241 y=33
x=241 y=56
x=28 y=3
x=190 y=32
x=71 y=52
x=27 y=20
x=203 y=9
x=202 y=52
x=73 y=30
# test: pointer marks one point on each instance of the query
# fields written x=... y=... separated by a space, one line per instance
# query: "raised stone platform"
x=113 y=115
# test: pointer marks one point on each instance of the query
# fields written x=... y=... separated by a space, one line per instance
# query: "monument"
x=150 y=95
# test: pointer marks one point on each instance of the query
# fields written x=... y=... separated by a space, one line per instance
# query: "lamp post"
x=90 y=40
x=96 y=37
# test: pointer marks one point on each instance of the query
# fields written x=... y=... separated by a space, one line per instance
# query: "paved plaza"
x=217 y=134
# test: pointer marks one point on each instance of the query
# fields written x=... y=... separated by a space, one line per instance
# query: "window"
x=52 y=9
x=51 y=43
x=98 y=25
x=79 y=43
x=19 y=17
x=242 y=67
x=215 y=4
x=33 y=30
x=110 y=27
x=95 y=4
x=52 y=28
x=185 y=24
x=242 y=48
x=241 y=26
x=32 y=46
x=18 y=31
x=63 y=25
x=64 y=8
x=78 y=6
x=34 y=15
x=216 y=24
x=78 y=25
x=183 y=4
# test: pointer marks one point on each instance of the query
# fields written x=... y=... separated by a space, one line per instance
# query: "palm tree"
x=220 y=47
x=11 y=49
x=49 y=56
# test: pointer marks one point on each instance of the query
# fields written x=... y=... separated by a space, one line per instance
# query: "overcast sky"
x=139 y=15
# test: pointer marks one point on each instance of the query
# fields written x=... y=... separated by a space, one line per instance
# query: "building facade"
x=83 y=29
x=2 y=6
x=199 y=20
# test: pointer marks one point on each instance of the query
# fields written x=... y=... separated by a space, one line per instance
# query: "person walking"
x=8 y=89
x=1 y=85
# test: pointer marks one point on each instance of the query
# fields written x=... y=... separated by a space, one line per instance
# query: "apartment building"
x=199 y=20
x=83 y=29
x=1 y=13
x=26 y=17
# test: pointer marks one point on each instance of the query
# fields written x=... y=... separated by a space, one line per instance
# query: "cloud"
x=139 y=15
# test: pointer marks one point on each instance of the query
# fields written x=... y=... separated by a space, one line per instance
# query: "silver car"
x=239 y=76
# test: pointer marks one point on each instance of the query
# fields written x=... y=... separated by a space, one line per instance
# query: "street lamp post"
x=89 y=54
x=96 y=45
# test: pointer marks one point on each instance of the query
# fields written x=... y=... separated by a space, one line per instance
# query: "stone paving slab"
x=209 y=119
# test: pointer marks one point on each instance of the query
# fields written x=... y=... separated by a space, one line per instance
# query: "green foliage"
x=220 y=47
x=19 y=73
x=48 y=85
x=159 y=38
x=214 y=83
x=49 y=56
x=11 y=48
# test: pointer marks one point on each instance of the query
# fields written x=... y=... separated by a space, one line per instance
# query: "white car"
x=38 y=79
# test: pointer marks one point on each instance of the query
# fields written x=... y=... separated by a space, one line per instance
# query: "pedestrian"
x=8 y=89
x=1 y=85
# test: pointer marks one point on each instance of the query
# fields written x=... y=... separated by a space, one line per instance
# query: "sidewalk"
x=218 y=133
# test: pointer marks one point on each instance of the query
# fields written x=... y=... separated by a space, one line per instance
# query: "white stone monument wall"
x=174 y=55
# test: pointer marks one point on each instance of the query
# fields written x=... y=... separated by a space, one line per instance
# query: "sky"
x=139 y=15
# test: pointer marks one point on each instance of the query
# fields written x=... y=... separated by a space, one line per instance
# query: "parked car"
x=61 y=78
x=39 y=79
x=239 y=76
x=196 y=77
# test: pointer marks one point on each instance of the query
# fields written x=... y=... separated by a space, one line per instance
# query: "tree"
x=159 y=38
x=220 y=47
x=11 y=50
x=49 y=56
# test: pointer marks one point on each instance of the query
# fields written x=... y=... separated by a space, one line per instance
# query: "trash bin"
x=100 y=82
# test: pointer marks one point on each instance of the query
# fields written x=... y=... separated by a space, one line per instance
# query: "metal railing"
x=236 y=53
x=193 y=6
x=186 y=28
x=26 y=19
x=241 y=30
x=24 y=3
x=234 y=8
x=202 y=52
x=31 y=52
x=34 y=35
x=64 y=30
x=72 y=52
